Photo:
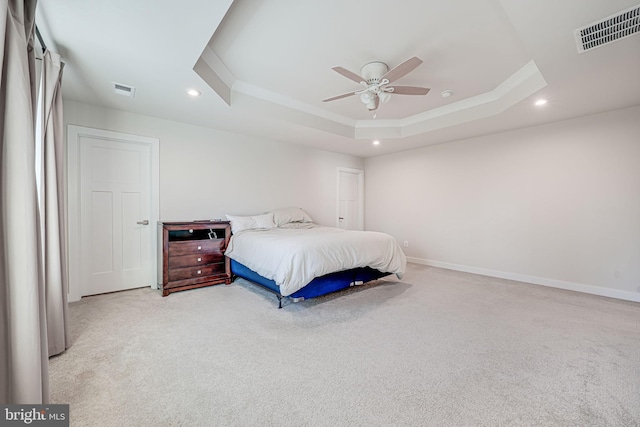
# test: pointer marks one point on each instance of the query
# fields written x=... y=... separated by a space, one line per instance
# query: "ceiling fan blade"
x=348 y=74
x=344 y=95
x=403 y=69
x=409 y=90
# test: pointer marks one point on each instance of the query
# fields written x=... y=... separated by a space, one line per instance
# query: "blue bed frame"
x=319 y=286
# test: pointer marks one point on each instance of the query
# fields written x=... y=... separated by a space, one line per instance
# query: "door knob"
x=143 y=222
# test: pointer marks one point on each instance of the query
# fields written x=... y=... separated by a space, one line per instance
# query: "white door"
x=116 y=217
x=350 y=199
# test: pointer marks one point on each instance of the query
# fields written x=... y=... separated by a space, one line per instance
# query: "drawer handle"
x=199 y=248
x=199 y=271
x=199 y=259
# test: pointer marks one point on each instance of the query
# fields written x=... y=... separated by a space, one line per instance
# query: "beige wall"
x=205 y=173
x=557 y=204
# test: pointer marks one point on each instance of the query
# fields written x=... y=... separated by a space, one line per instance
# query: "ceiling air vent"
x=125 y=90
x=610 y=29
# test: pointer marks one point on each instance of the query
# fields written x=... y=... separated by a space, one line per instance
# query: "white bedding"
x=293 y=256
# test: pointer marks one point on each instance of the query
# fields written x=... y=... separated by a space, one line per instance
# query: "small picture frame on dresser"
x=191 y=255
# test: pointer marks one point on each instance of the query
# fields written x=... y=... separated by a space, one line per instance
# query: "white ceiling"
x=264 y=66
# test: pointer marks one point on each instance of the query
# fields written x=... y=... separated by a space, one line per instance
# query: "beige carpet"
x=440 y=348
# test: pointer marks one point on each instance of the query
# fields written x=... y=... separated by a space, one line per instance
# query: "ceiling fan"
x=376 y=79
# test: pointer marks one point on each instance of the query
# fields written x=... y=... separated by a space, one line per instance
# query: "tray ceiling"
x=264 y=66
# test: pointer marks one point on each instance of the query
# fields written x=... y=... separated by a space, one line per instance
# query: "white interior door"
x=350 y=199
x=116 y=218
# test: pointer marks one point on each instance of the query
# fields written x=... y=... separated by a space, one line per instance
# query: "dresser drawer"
x=195 y=259
x=194 y=272
x=194 y=247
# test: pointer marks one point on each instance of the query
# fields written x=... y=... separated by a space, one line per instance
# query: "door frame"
x=74 y=135
x=360 y=173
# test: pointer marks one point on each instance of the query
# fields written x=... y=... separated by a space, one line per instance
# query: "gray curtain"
x=50 y=183
x=23 y=332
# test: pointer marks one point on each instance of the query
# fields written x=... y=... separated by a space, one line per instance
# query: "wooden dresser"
x=191 y=255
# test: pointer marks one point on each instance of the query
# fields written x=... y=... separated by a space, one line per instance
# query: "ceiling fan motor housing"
x=373 y=71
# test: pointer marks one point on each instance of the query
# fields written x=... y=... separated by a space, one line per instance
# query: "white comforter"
x=292 y=257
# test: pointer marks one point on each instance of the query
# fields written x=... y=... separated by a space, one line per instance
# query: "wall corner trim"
x=552 y=283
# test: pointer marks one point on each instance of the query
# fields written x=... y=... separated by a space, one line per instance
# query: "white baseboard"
x=570 y=286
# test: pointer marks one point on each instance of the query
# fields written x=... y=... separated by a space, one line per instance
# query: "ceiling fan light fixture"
x=365 y=97
x=384 y=96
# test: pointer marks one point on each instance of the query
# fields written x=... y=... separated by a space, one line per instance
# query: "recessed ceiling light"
x=194 y=92
x=376 y=142
x=446 y=93
x=540 y=102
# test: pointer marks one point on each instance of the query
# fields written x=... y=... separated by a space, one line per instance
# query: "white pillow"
x=287 y=215
x=256 y=222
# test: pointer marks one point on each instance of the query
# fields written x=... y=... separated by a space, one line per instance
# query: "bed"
x=285 y=252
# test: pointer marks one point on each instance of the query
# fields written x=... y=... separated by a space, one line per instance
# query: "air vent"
x=610 y=29
x=124 y=90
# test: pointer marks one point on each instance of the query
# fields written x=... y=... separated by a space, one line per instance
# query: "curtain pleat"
x=23 y=331
x=52 y=203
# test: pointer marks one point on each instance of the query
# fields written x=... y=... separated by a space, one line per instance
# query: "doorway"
x=113 y=211
x=350 y=211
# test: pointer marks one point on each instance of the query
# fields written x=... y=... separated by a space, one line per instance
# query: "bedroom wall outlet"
x=406 y=243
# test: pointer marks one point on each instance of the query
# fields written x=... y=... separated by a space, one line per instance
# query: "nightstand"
x=191 y=255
